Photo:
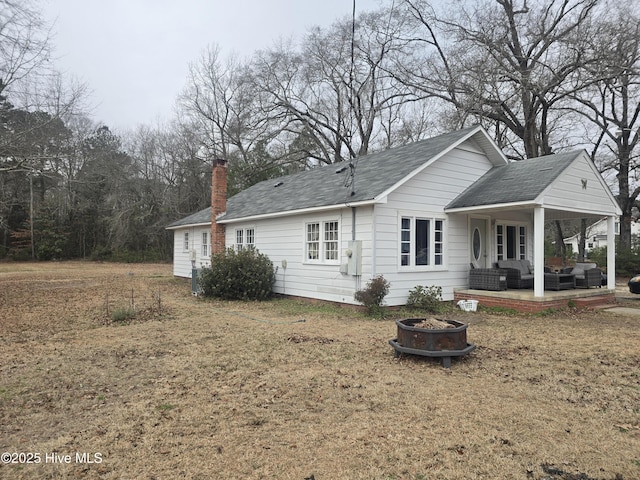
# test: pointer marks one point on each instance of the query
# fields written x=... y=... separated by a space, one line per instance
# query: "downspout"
x=373 y=241
x=357 y=278
x=353 y=223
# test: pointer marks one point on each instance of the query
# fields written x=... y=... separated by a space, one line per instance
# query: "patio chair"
x=587 y=275
x=519 y=273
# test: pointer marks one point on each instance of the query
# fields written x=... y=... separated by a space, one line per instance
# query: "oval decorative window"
x=476 y=244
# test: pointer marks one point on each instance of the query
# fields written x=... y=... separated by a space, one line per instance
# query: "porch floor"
x=523 y=300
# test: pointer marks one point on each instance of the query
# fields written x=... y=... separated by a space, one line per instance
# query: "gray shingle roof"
x=516 y=182
x=203 y=216
x=323 y=187
x=319 y=187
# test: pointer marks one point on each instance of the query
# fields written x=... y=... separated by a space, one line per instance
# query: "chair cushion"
x=580 y=268
x=523 y=265
x=586 y=266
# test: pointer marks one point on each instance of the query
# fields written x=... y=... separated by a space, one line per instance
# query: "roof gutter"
x=496 y=206
x=188 y=225
x=302 y=211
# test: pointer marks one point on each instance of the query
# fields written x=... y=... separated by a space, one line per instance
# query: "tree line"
x=542 y=76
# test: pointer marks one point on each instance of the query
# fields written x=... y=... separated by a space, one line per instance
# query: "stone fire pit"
x=447 y=342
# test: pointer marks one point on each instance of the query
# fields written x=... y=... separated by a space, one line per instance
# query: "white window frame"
x=521 y=237
x=205 y=245
x=185 y=242
x=437 y=246
x=245 y=238
x=323 y=241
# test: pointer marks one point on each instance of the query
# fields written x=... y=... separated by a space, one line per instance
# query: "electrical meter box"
x=354 y=257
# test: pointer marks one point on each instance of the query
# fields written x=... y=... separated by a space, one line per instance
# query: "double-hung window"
x=322 y=242
x=245 y=238
x=185 y=242
x=205 y=244
x=421 y=241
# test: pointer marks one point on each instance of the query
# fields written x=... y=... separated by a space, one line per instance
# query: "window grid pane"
x=405 y=241
x=250 y=238
x=422 y=242
x=331 y=240
x=186 y=241
x=313 y=241
x=205 y=244
x=438 y=243
x=239 y=239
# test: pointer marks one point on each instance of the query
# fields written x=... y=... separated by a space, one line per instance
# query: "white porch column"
x=611 y=252
x=538 y=251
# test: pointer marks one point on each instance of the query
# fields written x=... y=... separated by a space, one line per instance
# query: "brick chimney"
x=218 y=204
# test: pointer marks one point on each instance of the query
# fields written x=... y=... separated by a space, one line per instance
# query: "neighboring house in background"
x=596 y=236
x=419 y=214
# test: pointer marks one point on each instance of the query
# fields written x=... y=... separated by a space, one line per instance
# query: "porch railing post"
x=611 y=252
x=538 y=252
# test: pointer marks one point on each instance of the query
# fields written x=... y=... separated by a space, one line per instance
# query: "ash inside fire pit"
x=433 y=323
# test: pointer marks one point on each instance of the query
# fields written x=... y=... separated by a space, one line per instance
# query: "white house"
x=596 y=235
x=417 y=214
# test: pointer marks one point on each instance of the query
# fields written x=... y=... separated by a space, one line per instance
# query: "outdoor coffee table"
x=559 y=281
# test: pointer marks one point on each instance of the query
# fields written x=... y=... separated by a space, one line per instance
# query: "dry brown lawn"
x=199 y=389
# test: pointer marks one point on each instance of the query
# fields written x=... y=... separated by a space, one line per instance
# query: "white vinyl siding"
x=182 y=256
x=424 y=197
x=284 y=241
x=580 y=189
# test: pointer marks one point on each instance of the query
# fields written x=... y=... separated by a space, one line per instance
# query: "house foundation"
x=524 y=300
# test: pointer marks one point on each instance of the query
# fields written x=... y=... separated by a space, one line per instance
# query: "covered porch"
x=507 y=210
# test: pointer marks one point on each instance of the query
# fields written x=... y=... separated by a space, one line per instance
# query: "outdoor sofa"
x=519 y=273
x=487 y=279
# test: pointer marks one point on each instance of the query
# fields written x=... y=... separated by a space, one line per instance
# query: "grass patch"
x=280 y=398
x=123 y=314
x=499 y=310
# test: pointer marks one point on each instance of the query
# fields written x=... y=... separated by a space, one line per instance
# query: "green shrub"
x=627 y=260
x=373 y=295
x=428 y=299
x=243 y=275
x=123 y=314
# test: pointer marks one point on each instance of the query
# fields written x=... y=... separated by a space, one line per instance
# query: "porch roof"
x=567 y=185
x=516 y=183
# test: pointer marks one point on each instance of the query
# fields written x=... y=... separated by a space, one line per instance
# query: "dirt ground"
x=198 y=389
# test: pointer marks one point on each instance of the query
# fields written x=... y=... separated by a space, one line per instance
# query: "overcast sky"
x=134 y=54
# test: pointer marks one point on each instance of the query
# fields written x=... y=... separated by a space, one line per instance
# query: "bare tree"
x=24 y=42
x=612 y=106
x=503 y=62
x=337 y=86
x=222 y=101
